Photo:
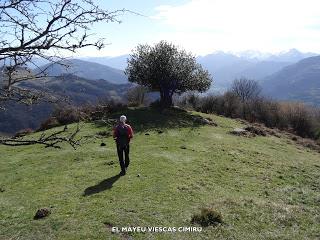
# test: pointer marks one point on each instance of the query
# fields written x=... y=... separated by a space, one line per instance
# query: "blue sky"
x=205 y=26
x=133 y=29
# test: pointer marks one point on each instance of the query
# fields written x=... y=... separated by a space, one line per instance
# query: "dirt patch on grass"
x=241 y=132
x=110 y=163
x=42 y=213
x=309 y=143
x=204 y=121
x=256 y=129
x=253 y=130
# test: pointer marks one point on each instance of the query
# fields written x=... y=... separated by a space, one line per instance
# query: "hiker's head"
x=123 y=119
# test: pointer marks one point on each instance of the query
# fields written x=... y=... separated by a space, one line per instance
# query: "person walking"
x=122 y=134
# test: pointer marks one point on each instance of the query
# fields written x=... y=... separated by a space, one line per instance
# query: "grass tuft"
x=207 y=217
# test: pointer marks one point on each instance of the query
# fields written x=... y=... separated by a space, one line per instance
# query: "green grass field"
x=264 y=187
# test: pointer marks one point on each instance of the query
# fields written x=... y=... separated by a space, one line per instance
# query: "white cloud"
x=268 y=25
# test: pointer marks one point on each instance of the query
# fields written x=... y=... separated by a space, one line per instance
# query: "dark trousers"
x=124 y=163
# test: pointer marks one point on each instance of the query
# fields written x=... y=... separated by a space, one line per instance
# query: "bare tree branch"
x=47 y=30
x=246 y=89
x=31 y=29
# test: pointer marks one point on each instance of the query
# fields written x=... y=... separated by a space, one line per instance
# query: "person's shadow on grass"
x=102 y=186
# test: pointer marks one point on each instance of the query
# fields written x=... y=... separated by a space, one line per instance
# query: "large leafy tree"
x=167 y=69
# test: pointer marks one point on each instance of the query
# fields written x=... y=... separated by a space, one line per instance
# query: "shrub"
x=103 y=108
x=63 y=115
x=49 y=123
x=136 y=96
x=230 y=105
x=66 y=114
x=317 y=134
x=292 y=117
x=267 y=112
x=207 y=217
x=23 y=132
x=86 y=112
x=111 y=106
x=156 y=104
x=189 y=100
x=193 y=100
x=209 y=104
x=300 y=119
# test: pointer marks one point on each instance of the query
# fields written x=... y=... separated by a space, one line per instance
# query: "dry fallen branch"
x=47 y=139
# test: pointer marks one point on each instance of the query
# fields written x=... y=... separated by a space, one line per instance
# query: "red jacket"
x=129 y=131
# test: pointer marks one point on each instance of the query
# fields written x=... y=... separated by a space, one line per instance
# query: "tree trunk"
x=166 y=98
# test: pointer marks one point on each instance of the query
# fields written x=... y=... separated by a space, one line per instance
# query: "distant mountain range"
x=119 y=62
x=297 y=82
x=292 y=55
x=79 y=90
x=85 y=69
x=225 y=67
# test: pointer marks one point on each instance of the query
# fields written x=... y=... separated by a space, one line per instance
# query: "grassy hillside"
x=264 y=187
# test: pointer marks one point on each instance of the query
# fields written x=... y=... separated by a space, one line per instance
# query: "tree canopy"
x=167 y=69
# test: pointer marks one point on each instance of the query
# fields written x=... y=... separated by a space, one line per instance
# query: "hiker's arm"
x=130 y=132
x=114 y=132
